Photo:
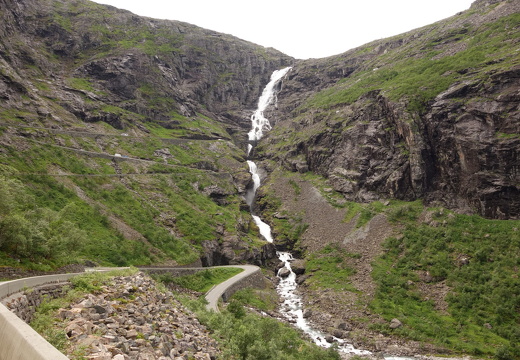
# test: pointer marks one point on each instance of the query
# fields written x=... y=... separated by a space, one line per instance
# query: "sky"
x=301 y=28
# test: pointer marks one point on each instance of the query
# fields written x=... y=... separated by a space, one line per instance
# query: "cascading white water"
x=253 y=169
x=259 y=122
x=292 y=309
x=287 y=288
x=265 y=229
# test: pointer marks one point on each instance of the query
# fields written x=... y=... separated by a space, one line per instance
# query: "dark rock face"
x=474 y=161
x=145 y=66
x=232 y=251
x=457 y=149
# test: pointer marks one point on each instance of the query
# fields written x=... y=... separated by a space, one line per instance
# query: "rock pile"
x=132 y=319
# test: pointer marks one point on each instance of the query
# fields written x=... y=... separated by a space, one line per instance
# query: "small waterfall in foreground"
x=292 y=307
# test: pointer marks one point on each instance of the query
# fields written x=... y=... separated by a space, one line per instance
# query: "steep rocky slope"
x=122 y=141
x=82 y=82
x=431 y=114
x=153 y=68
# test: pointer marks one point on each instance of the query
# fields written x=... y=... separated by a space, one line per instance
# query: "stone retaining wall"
x=173 y=271
x=24 y=304
x=18 y=341
x=255 y=280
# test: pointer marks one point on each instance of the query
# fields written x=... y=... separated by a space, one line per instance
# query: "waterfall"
x=292 y=307
x=259 y=122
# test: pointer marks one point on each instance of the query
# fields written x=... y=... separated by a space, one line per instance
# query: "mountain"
x=81 y=82
x=392 y=173
x=391 y=170
x=430 y=114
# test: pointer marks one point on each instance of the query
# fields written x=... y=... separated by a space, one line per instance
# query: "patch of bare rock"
x=132 y=320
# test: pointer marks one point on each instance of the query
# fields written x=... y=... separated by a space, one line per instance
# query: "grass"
x=202 y=281
x=482 y=316
x=409 y=77
x=196 y=215
x=265 y=300
x=185 y=127
x=329 y=269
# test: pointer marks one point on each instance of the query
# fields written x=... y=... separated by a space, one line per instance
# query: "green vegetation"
x=44 y=320
x=264 y=300
x=248 y=336
x=31 y=232
x=201 y=281
x=329 y=269
x=477 y=259
x=410 y=77
x=395 y=210
x=182 y=126
x=68 y=219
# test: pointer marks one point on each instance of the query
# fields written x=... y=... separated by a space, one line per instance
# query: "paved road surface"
x=214 y=294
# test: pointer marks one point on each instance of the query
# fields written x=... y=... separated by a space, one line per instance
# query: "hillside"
x=391 y=170
x=81 y=82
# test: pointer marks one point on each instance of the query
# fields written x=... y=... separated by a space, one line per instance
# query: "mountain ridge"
x=393 y=78
x=123 y=142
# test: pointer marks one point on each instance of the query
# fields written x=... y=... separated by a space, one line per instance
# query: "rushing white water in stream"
x=292 y=309
x=259 y=122
x=287 y=288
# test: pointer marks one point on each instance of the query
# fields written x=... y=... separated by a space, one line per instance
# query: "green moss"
x=80 y=84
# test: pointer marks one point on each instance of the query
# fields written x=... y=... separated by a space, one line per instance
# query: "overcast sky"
x=301 y=28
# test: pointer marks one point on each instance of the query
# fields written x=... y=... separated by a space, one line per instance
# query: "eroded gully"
x=292 y=307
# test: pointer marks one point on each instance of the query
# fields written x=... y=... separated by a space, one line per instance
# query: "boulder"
x=298 y=266
x=284 y=272
x=329 y=339
x=307 y=313
x=395 y=323
x=339 y=324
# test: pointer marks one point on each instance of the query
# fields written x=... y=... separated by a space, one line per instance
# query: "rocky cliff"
x=432 y=114
x=145 y=66
x=81 y=82
x=128 y=132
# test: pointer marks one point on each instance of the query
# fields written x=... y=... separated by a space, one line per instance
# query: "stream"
x=292 y=307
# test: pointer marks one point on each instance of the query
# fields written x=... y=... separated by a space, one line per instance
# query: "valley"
x=389 y=172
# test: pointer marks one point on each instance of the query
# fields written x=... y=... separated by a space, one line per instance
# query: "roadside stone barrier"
x=127 y=322
x=18 y=341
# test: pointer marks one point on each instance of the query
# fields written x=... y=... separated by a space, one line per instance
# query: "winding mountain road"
x=216 y=292
x=19 y=341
